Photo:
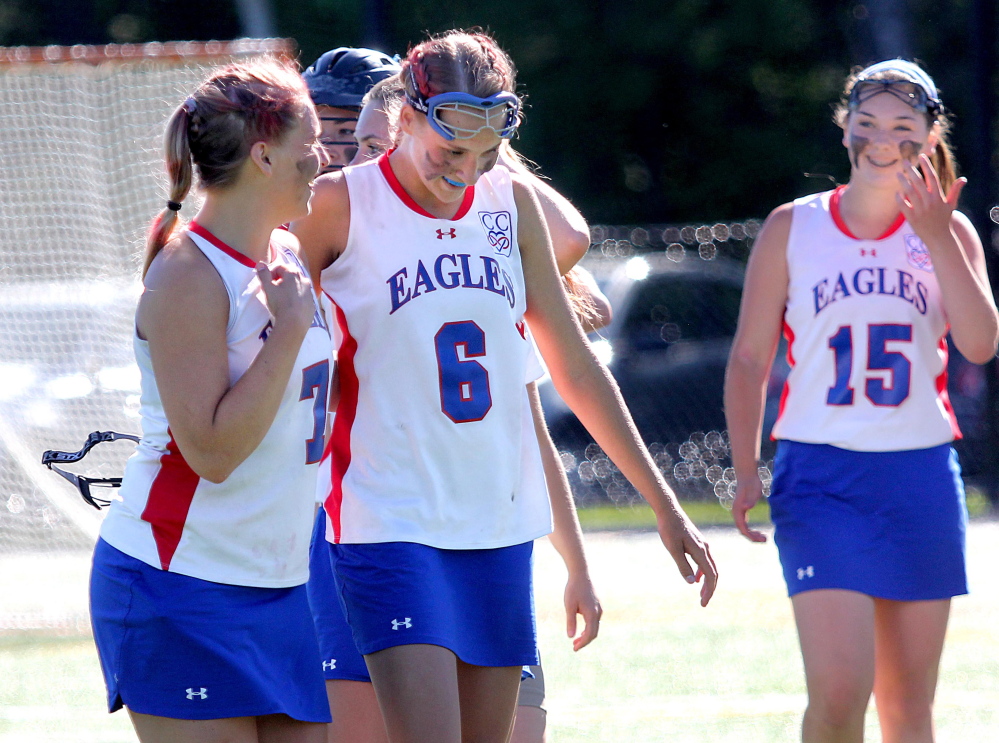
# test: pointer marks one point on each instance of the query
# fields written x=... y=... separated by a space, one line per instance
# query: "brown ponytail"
x=180 y=169
x=212 y=131
x=943 y=158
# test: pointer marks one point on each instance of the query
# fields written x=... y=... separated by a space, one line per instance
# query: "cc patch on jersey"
x=917 y=253
x=499 y=230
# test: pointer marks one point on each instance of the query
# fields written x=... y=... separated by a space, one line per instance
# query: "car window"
x=667 y=309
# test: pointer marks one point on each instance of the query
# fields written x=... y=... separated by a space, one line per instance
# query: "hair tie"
x=190 y=105
x=174 y=206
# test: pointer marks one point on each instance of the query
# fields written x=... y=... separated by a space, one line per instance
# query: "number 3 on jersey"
x=464 y=383
x=879 y=358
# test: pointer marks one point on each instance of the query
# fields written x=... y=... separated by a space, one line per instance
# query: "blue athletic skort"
x=175 y=646
x=340 y=657
x=477 y=603
x=887 y=524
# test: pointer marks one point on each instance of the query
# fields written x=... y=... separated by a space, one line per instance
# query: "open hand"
x=923 y=202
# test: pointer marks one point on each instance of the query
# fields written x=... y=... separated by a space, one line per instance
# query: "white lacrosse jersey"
x=254 y=528
x=433 y=440
x=866 y=337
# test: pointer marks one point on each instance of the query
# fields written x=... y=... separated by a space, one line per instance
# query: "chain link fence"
x=675 y=293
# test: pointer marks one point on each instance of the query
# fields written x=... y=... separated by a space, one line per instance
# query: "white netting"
x=81 y=176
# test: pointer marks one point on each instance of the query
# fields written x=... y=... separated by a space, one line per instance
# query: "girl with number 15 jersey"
x=867 y=498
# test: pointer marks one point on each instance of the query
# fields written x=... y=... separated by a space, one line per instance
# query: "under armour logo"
x=201 y=694
x=329 y=665
x=441 y=234
x=808 y=572
x=873 y=252
x=407 y=623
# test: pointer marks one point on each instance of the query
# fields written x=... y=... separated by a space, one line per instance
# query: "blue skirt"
x=340 y=657
x=887 y=524
x=175 y=646
x=477 y=603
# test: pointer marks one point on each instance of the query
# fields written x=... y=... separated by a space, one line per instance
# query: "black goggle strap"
x=906 y=91
x=418 y=102
x=50 y=457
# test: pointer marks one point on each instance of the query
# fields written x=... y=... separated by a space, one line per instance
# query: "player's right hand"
x=580 y=599
x=681 y=538
x=748 y=492
x=289 y=295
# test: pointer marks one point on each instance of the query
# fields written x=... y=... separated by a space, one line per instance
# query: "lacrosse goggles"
x=50 y=457
x=917 y=90
x=499 y=113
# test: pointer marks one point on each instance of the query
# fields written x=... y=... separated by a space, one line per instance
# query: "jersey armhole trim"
x=231 y=320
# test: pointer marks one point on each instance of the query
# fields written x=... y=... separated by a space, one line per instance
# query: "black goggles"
x=910 y=93
x=81 y=483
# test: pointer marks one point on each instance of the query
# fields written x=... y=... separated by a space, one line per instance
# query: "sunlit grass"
x=662 y=668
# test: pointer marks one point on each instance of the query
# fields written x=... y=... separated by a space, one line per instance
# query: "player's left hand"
x=923 y=202
x=580 y=599
x=681 y=538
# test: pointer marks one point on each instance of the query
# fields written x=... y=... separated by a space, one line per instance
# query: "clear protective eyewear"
x=79 y=481
x=499 y=113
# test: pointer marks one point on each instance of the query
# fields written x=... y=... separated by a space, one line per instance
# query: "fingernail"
x=691 y=579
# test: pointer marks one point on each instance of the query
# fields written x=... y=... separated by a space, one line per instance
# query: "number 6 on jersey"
x=464 y=383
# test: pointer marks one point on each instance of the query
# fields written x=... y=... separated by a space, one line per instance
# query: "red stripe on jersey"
x=838 y=217
x=390 y=177
x=342 y=423
x=200 y=231
x=169 y=501
x=941 y=382
x=789 y=335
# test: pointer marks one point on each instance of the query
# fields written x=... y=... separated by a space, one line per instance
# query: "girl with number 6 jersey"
x=867 y=499
x=198 y=595
x=437 y=260
x=353 y=705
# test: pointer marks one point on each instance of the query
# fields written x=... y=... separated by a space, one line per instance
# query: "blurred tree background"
x=645 y=111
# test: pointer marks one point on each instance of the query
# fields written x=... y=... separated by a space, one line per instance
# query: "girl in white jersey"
x=355 y=712
x=867 y=499
x=438 y=489
x=197 y=593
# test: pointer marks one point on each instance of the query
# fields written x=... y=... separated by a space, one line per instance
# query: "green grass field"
x=662 y=668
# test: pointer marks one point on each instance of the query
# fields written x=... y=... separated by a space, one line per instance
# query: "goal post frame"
x=172 y=51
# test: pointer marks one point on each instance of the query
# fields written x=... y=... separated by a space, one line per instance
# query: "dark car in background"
x=667 y=347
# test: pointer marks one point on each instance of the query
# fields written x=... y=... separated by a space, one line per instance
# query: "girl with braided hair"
x=435 y=261
x=198 y=598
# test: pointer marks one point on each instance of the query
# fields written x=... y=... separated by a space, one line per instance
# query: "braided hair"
x=458 y=61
